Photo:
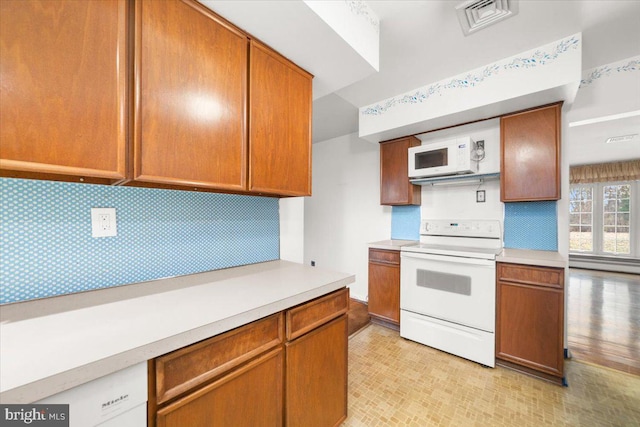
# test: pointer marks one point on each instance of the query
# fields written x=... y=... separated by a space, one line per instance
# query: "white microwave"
x=452 y=157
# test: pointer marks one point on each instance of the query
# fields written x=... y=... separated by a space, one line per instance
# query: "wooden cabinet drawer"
x=305 y=317
x=384 y=257
x=530 y=275
x=184 y=369
x=250 y=396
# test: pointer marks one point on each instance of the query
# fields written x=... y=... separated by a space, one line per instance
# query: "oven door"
x=455 y=289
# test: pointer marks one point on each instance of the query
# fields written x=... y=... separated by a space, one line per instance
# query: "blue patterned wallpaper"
x=47 y=249
x=531 y=225
x=405 y=222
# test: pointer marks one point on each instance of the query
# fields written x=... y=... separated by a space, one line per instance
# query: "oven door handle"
x=449 y=259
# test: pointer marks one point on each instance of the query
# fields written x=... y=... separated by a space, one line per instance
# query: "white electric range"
x=448 y=287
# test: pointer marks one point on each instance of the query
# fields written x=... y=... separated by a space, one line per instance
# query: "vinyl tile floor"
x=397 y=382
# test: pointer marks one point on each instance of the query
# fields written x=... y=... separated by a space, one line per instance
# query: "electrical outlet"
x=313 y=263
x=103 y=222
x=480 y=196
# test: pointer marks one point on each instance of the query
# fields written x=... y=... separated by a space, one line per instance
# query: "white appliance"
x=115 y=400
x=452 y=157
x=448 y=287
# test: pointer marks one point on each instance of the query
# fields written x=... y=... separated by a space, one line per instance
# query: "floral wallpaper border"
x=607 y=70
x=361 y=9
x=537 y=59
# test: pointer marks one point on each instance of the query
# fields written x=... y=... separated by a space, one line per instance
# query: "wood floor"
x=358 y=316
x=604 y=319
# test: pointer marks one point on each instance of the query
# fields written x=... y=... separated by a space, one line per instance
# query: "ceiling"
x=421 y=42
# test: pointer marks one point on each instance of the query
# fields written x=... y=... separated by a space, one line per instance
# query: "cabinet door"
x=316 y=377
x=395 y=187
x=64 y=89
x=530 y=155
x=191 y=73
x=384 y=285
x=280 y=125
x=529 y=326
x=251 y=396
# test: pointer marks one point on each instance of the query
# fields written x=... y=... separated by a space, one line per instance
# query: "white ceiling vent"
x=474 y=15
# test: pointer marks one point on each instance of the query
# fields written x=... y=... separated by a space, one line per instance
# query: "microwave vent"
x=477 y=14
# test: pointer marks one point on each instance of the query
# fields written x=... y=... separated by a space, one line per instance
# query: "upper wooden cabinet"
x=63 y=73
x=191 y=83
x=395 y=187
x=280 y=124
x=530 y=155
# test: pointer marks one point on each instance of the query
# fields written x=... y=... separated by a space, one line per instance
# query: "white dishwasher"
x=115 y=400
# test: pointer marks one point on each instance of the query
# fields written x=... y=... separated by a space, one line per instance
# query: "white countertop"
x=51 y=345
x=393 y=244
x=532 y=257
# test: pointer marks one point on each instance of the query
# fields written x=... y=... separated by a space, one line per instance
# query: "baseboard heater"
x=603 y=263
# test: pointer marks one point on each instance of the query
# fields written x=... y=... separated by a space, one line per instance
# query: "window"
x=616 y=219
x=601 y=217
x=581 y=219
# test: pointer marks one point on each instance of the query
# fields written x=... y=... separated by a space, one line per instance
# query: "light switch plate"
x=103 y=222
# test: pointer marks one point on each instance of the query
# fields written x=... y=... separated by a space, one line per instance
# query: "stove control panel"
x=462 y=228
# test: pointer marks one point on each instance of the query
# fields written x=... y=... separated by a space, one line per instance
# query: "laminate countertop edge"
x=392 y=245
x=52 y=345
x=532 y=257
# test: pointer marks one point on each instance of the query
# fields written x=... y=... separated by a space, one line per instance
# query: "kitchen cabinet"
x=250 y=396
x=530 y=155
x=191 y=86
x=395 y=187
x=63 y=70
x=280 y=124
x=384 y=287
x=289 y=368
x=530 y=319
x=149 y=93
x=231 y=379
x=316 y=362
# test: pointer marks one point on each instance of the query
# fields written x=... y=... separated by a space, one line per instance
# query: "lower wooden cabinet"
x=316 y=362
x=289 y=369
x=530 y=319
x=316 y=377
x=250 y=396
x=384 y=286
